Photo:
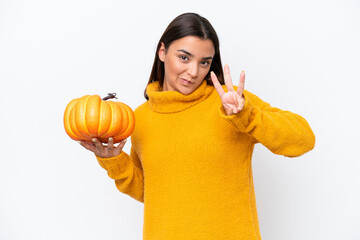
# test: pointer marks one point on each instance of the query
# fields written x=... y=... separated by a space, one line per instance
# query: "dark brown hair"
x=187 y=24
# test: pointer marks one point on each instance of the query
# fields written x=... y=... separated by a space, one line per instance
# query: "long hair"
x=187 y=24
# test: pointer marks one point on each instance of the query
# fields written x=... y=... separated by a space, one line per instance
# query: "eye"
x=183 y=57
x=205 y=63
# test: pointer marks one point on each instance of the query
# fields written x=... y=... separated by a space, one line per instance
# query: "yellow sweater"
x=190 y=163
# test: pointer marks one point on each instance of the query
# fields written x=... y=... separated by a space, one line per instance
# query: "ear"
x=162 y=52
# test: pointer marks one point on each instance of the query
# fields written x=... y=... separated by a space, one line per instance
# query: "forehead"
x=194 y=45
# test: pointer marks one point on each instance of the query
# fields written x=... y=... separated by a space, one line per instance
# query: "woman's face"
x=187 y=61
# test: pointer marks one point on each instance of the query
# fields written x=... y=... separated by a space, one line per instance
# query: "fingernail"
x=79 y=142
x=110 y=138
x=93 y=139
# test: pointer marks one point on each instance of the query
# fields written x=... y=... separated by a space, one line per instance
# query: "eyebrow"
x=186 y=52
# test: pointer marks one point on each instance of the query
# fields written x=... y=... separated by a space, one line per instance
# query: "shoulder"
x=141 y=107
x=140 y=120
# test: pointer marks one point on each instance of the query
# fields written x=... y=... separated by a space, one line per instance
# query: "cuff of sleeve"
x=106 y=162
x=242 y=119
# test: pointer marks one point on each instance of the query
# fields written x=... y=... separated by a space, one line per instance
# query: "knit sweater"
x=190 y=163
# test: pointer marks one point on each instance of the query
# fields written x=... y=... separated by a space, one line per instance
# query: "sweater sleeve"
x=282 y=132
x=127 y=172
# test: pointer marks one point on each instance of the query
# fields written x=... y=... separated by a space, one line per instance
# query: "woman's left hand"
x=233 y=102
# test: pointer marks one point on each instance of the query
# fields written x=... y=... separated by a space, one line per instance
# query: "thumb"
x=121 y=145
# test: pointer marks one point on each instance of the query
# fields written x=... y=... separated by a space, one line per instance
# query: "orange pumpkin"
x=90 y=116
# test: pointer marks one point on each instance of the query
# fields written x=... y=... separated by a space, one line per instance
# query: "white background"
x=301 y=56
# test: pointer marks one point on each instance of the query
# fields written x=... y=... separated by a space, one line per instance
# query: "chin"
x=185 y=91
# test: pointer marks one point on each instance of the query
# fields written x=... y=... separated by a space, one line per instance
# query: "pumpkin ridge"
x=72 y=120
x=125 y=119
x=100 y=118
x=85 y=125
x=131 y=122
x=112 y=125
x=79 y=118
x=111 y=121
x=67 y=123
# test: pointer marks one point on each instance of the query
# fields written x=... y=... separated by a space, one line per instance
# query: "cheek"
x=175 y=67
x=204 y=72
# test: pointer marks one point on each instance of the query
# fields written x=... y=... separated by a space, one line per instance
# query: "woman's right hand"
x=103 y=151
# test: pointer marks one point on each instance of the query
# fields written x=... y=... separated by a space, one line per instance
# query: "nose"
x=193 y=70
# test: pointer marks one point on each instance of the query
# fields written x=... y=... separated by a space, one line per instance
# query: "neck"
x=167 y=101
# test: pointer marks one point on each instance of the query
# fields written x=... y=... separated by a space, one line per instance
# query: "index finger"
x=216 y=83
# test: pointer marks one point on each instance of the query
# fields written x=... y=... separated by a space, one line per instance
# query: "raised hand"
x=101 y=150
x=233 y=102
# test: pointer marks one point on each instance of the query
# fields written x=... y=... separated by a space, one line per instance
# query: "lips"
x=187 y=81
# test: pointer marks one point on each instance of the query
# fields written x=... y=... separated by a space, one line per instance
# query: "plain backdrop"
x=301 y=56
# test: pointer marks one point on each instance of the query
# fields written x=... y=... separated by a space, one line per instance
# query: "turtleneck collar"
x=173 y=101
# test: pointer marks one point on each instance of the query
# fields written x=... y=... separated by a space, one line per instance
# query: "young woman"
x=190 y=159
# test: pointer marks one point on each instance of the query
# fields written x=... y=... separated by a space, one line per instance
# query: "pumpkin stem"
x=109 y=96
